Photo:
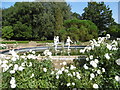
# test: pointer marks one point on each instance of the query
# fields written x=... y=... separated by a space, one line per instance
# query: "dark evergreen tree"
x=100 y=14
x=76 y=16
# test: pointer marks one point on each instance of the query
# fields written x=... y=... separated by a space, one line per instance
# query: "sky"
x=76 y=7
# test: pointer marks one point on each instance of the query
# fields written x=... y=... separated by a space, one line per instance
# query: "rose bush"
x=26 y=71
x=99 y=68
x=101 y=58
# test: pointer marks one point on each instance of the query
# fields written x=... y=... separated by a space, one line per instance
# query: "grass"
x=13 y=42
x=47 y=41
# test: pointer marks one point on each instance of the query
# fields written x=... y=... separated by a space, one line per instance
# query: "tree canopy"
x=100 y=14
x=79 y=30
x=40 y=19
x=44 y=20
x=7 y=32
x=115 y=30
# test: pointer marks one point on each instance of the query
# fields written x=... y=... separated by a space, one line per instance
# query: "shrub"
x=22 y=31
x=7 y=32
x=80 y=29
x=114 y=30
x=101 y=64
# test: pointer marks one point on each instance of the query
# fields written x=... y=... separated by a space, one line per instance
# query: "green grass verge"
x=47 y=41
x=13 y=42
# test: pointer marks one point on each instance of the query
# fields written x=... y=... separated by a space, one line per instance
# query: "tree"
x=7 y=32
x=22 y=31
x=114 y=30
x=43 y=18
x=0 y=21
x=100 y=14
x=59 y=20
x=80 y=30
x=76 y=16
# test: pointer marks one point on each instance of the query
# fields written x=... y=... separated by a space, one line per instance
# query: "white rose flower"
x=92 y=75
x=30 y=64
x=30 y=50
x=59 y=72
x=73 y=73
x=78 y=76
x=57 y=77
x=62 y=69
x=12 y=81
x=32 y=75
x=87 y=59
x=22 y=57
x=95 y=86
x=117 y=78
x=52 y=72
x=109 y=46
x=66 y=70
x=115 y=42
x=64 y=63
x=12 y=71
x=107 y=56
x=114 y=48
x=15 y=67
x=47 y=53
x=44 y=69
x=85 y=66
x=13 y=58
x=68 y=84
x=4 y=65
x=97 y=45
x=73 y=83
x=91 y=57
x=118 y=61
x=89 y=48
x=23 y=64
x=0 y=62
x=82 y=50
x=5 y=68
x=4 y=62
x=10 y=65
x=67 y=67
x=93 y=64
x=60 y=63
x=96 y=61
x=98 y=71
x=39 y=55
x=7 y=57
x=69 y=74
x=20 y=68
x=103 y=69
x=91 y=78
x=108 y=35
x=13 y=85
x=33 y=52
x=72 y=67
x=77 y=73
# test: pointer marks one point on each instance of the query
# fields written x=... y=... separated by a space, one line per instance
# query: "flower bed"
x=100 y=69
x=3 y=46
